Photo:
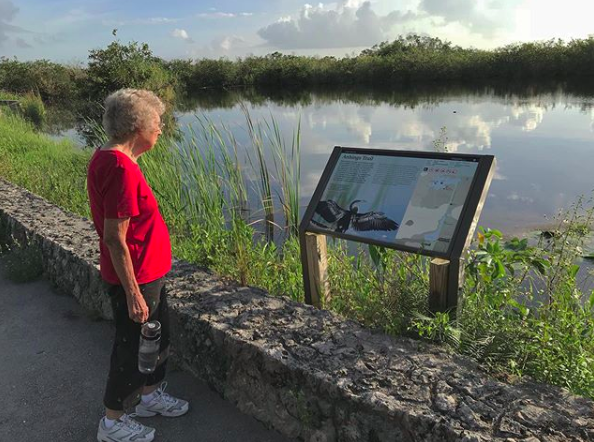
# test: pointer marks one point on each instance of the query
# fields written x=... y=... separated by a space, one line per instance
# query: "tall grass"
x=4 y=95
x=263 y=180
x=287 y=164
x=33 y=109
x=30 y=105
x=218 y=197
x=220 y=218
x=52 y=169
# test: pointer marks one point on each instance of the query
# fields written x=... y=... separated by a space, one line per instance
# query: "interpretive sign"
x=413 y=201
x=420 y=202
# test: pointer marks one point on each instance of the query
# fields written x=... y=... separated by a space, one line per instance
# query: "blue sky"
x=65 y=30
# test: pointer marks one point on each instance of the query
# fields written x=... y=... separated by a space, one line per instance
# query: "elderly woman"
x=135 y=255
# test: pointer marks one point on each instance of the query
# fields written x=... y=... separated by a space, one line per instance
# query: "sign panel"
x=411 y=201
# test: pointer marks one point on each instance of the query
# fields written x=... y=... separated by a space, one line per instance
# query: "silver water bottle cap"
x=151 y=329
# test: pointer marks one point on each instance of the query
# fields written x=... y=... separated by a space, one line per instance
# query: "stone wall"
x=306 y=372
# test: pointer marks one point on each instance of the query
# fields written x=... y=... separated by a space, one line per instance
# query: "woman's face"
x=148 y=136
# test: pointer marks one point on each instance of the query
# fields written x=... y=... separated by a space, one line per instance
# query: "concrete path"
x=53 y=365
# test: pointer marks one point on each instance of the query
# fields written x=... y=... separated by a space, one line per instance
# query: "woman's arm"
x=114 y=237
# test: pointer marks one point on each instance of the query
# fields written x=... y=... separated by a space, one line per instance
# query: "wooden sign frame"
x=445 y=273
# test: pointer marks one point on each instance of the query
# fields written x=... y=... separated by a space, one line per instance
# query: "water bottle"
x=148 y=349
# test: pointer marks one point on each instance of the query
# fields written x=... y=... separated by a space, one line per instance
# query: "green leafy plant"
x=132 y=65
x=521 y=311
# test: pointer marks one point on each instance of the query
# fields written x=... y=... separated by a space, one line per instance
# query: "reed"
x=287 y=165
x=217 y=197
x=263 y=182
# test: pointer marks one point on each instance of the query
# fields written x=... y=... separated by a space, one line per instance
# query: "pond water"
x=543 y=140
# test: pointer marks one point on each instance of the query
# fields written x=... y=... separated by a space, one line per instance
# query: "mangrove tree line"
x=408 y=60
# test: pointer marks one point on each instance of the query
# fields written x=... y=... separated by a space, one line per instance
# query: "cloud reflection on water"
x=543 y=144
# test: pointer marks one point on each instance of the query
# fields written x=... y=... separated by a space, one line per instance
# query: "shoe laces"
x=166 y=397
x=131 y=423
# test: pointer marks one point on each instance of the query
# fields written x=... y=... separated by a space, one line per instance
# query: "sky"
x=65 y=30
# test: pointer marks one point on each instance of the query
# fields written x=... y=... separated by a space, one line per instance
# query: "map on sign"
x=410 y=201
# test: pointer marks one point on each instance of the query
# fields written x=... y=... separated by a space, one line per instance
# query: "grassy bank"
x=406 y=61
x=49 y=168
x=521 y=311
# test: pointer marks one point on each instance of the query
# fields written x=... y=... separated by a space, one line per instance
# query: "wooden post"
x=444 y=280
x=455 y=277
x=438 y=284
x=443 y=295
x=315 y=269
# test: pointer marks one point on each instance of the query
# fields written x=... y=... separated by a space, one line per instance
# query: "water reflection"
x=542 y=136
x=543 y=142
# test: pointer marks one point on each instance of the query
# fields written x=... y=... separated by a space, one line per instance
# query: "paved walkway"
x=53 y=365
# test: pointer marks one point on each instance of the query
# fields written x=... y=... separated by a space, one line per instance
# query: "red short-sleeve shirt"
x=117 y=189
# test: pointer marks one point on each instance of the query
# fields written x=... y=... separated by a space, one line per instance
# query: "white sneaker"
x=163 y=404
x=125 y=429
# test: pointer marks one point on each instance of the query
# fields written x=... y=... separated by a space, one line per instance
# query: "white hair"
x=127 y=110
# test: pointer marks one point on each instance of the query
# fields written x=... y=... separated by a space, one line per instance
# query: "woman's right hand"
x=137 y=309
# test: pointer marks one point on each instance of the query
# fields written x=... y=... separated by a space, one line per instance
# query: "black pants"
x=125 y=382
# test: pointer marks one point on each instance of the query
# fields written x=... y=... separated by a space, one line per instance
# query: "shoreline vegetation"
x=406 y=61
x=521 y=311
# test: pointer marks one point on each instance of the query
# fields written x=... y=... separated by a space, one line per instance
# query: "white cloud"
x=8 y=11
x=346 y=25
x=528 y=117
x=480 y=17
x=141 y=21
x=224 y=46
x=498 y=176
x=514 y=196
x=216 y=15
x=228 y=43
x=181 y=34
x=355 y=23
x=219 y=14
x=351 y=3
x=74 y=16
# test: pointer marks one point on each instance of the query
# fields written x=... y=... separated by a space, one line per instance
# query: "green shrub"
x=521 y=311
x=33 y=109
x=127 y=66
x=406 y=60
x=52 y=81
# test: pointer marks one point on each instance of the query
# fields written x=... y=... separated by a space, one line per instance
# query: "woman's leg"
x=125 y=382
x=160 y=402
